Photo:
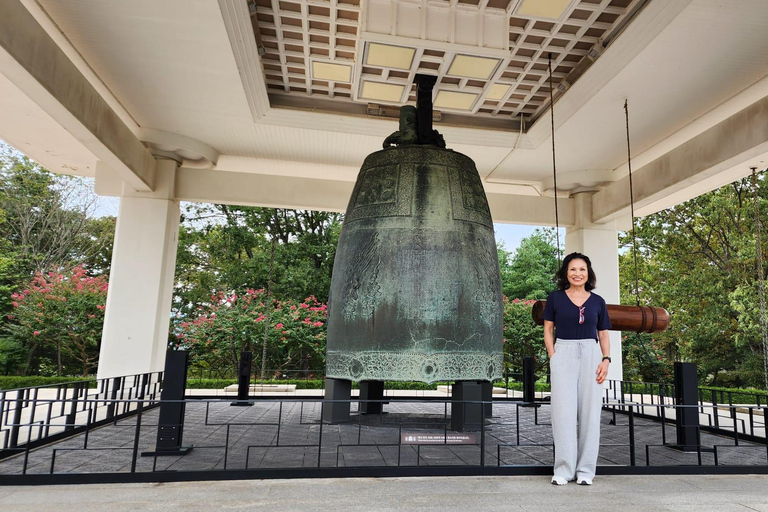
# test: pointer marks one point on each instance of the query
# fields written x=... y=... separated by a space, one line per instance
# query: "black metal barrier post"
x=171 y=418
x=14 y=440
x=244 y=380
x=72 y=416
x=687 y=401
x=529 y=382
x=113 y=396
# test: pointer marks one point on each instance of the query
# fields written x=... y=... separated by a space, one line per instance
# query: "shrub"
x=18 y=382
x=745 y=396
x=59 y=318
x=233 y=323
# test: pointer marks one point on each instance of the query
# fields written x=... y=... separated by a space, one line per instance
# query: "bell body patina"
x=416 y=291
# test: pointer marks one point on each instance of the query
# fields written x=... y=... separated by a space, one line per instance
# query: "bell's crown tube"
x=416 y=290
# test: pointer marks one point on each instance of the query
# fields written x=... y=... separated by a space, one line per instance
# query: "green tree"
x=228 y=249
x=97 y=256
x=522 y=337
x=235 y=322
x=697 y=260
x=46 y=225
x=58 y=319
x=47 y=218
x=532 y=268
x=505 y=264
x=8 y=272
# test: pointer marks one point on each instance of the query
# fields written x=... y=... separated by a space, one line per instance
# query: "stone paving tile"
x=286 y=436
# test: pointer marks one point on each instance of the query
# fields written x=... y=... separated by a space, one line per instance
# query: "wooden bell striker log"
x=623 y=318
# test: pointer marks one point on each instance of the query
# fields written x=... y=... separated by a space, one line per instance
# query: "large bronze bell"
x=416 y=291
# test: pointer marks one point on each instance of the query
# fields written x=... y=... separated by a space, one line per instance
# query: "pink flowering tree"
x=522 y=337
x=60 y=316
x=235 y=322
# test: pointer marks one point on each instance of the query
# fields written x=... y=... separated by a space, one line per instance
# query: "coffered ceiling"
x=491 y=57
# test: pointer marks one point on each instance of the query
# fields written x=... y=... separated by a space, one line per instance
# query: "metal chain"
x=760 y=275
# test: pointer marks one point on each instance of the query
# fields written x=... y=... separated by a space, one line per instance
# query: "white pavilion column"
x=599 y=242
x=137 y=320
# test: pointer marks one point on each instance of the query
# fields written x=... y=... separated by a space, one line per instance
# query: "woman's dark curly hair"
x=562 y=275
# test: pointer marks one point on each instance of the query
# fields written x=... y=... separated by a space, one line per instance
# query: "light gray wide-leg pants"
x=576 y=405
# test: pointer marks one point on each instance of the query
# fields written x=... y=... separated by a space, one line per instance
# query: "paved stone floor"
x=285 y=434
x=721 y=493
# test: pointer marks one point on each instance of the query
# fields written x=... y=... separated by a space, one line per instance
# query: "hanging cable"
x=554 y=159
x=760 y=274
x=639 y=341
x=632 y=206
x=517 y=142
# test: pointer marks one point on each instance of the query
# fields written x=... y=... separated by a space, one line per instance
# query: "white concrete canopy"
x=231 y=89
x=32 y=62
x=199 y=87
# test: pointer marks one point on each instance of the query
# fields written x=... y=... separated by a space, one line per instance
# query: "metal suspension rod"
x=638 y=338
x=554 y=159
x=632 y=206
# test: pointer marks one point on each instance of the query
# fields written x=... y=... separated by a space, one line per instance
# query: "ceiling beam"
x=269 y=190
x=237 y=21
x=531 y=210
x=33 y=62
x=713 y=158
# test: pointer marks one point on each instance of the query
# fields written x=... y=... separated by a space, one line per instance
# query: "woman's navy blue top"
x=565 y=315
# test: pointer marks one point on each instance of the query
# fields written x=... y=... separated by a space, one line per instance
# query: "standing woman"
x=576 y=336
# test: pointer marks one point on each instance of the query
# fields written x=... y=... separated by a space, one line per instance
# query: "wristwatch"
x=607 y=358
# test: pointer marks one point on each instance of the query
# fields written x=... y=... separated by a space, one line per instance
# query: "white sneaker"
x=584 y=481
x=558 y=480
